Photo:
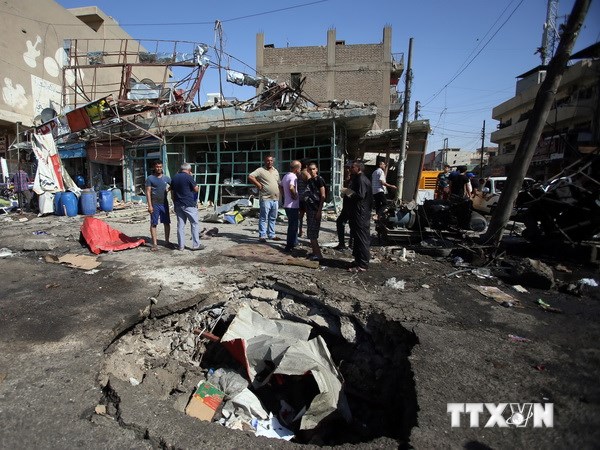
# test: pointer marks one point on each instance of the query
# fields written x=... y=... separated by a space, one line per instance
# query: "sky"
x=466 y=54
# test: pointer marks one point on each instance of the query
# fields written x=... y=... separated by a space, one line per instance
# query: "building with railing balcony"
x=573 y=124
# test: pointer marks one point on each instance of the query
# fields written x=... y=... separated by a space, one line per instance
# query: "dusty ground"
x=435 y=341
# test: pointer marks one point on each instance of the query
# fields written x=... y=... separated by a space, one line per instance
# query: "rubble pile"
x=273 y=361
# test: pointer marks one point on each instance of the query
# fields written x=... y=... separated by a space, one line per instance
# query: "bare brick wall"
x=358 y=73
x=294 y=56
x=359 y=54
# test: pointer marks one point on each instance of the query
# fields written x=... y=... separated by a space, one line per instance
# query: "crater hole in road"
x=167 y=357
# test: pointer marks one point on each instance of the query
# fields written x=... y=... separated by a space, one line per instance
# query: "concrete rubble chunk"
x=347 y=329
x=39 y=244
x=264 y=294
x=533 y=273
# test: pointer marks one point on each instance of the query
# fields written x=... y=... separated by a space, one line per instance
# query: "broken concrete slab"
x=264 y=294
x=533 y=273
x=40 y=244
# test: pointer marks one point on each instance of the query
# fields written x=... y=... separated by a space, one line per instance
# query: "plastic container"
x=80 y=181
x=106 y=200
x=58 y=211
x=116 y=193
x=87 y=202
x=68 y=203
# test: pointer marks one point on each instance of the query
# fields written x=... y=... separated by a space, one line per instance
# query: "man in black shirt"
x=360 y=203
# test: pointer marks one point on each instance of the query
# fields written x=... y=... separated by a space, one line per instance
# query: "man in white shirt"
x=379 y=188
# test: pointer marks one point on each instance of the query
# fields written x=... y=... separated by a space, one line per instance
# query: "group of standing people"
x=456 y=185
x=303 y=193
x=184 y=193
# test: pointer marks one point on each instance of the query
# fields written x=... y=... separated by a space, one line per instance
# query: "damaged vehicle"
x=567 y=208
x=486 y=201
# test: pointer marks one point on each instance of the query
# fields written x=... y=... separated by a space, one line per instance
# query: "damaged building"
x=114 y=105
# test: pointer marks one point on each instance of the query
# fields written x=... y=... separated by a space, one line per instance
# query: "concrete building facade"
x=572 y=127
x=367 y=73
x=39 y=79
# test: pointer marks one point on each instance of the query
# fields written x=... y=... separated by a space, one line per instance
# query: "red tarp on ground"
x=101 y=237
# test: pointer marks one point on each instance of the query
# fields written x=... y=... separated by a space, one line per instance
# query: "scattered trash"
x=91 y=272
x=497 y=295
x=5 y=252
x=208 y=234
x=84 y=262
x=513 y=338
x=271 y=428
x=100 y=410
x=395 y=284
x=456 y=272
x=482 y=272
x=588 y=282
x=519 y=288
x=52 y=285
x=280 y=351
x=457 y=261
x=38 y=233
x=539 y=367
x=425 y=286
x=562 y=268
x=205 y=401
x=233 y=217
x=546 y=307
x=23 y=219
x=133 y=381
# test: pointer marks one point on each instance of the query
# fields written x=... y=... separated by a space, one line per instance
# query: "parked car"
x=487 y=199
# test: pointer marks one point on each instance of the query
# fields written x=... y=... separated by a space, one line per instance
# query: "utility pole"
x=417 y=106
x=482 y=147
x=405 y=113
x=444 y=154
x=535 y=124
x=18 y=141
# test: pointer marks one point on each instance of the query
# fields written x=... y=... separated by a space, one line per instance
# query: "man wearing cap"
x=474 y=183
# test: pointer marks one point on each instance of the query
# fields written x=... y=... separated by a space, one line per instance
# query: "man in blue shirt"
x=185 y=198
x=157 y=186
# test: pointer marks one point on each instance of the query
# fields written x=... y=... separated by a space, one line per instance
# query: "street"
x=418 y=345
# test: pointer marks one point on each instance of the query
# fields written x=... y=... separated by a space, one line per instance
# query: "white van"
x=487 y=199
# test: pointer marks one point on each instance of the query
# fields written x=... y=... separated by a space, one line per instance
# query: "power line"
x=477 y=54
x=212 y=22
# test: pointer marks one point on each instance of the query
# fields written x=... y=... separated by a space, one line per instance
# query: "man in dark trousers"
x=343 y=218
x=360 y=204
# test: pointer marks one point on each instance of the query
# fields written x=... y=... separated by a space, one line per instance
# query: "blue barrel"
x=106 y=200
x=80 y=181
x=58 y=211
x=68 y=202
x=116 y=192
x=87 y=202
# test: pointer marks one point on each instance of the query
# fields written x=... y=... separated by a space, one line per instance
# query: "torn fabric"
x=101 y=237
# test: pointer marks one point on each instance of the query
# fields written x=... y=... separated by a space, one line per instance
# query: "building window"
x=295 y=79
x=509 y=147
